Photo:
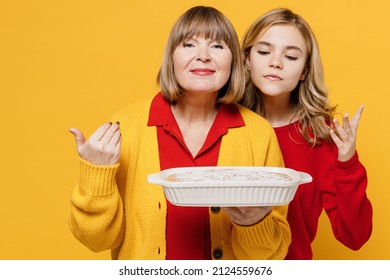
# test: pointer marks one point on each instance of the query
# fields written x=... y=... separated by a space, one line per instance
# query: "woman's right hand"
x=102 y=147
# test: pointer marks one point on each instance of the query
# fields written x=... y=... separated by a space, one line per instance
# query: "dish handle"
x=305 y=178
x=154 y=179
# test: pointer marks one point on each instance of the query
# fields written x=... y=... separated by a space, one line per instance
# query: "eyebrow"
x=196 y=39
x=287 y=47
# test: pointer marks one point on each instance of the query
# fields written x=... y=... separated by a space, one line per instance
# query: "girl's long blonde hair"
x=310 y=96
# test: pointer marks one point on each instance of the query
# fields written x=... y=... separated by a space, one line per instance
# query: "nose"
x=276 y=62
x=203 y=53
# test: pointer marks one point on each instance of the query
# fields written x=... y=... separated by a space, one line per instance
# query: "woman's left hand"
x=345 y=139
x=246 y=216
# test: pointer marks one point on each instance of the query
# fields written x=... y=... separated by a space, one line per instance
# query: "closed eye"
x=218 y=46
x=263 y=52
x=188 y=45
x=292 y=58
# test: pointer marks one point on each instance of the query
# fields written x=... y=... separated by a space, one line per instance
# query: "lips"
x=273 y=77
x=202 y=71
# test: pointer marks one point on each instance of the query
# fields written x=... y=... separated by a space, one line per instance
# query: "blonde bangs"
x=202 y=26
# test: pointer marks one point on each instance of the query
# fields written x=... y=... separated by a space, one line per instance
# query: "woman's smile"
x=202 y=71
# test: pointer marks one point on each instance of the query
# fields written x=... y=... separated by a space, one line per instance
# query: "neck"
x=278 y=110
x=198 y=108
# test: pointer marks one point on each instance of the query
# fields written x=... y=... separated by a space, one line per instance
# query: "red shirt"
x=188 y=228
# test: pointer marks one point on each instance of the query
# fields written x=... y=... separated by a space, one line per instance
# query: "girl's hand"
x=246 y=216
x=345 y=139
x=102 y=147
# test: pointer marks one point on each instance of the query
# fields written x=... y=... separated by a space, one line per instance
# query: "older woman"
x=193 y=121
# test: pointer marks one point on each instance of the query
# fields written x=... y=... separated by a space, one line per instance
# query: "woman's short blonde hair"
x=209 y=23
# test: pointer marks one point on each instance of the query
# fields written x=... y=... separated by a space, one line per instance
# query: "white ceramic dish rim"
x=298 y=177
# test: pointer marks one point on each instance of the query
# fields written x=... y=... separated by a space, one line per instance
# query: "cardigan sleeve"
x=96 y=217
x=267 y=240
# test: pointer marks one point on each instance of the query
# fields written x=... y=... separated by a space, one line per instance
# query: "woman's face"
x=277 y=60
x=202 y=65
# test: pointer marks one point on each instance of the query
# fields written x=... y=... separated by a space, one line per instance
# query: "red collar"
x=160 y=114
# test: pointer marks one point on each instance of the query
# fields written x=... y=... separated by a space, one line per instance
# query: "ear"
x=248 y=62
x=304 y=73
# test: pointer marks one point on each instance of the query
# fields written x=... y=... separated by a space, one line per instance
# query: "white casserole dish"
x=229 y=185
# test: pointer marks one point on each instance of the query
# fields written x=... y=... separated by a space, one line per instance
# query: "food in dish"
x=204 y=175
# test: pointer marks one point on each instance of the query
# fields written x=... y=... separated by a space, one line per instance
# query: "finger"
x=340 y=130
x=119 y=143
x=240 y=211
x=347 y=124
x=232 y=211
x=79 y=137
x=335 y=138
x=116 y=137
x=100 y=132
x=228 y=209
x=356 y=118
x=106 y=138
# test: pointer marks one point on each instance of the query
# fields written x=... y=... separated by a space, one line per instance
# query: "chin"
x=272 y=92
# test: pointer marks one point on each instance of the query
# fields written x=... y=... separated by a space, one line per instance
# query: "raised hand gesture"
x=102 y=147
x=345 y=139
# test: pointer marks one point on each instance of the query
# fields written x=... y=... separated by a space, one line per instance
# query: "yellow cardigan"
x=113 y=207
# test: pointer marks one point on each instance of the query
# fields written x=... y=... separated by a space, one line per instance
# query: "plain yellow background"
x=74 y=63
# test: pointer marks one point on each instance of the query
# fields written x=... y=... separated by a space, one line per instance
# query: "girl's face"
x=202 y=65
x=277 y=60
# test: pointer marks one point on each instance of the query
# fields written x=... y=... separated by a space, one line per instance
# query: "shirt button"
x=217 y=254
x=215 y=210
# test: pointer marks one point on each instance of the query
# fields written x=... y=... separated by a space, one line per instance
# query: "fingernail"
x=118 y=123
